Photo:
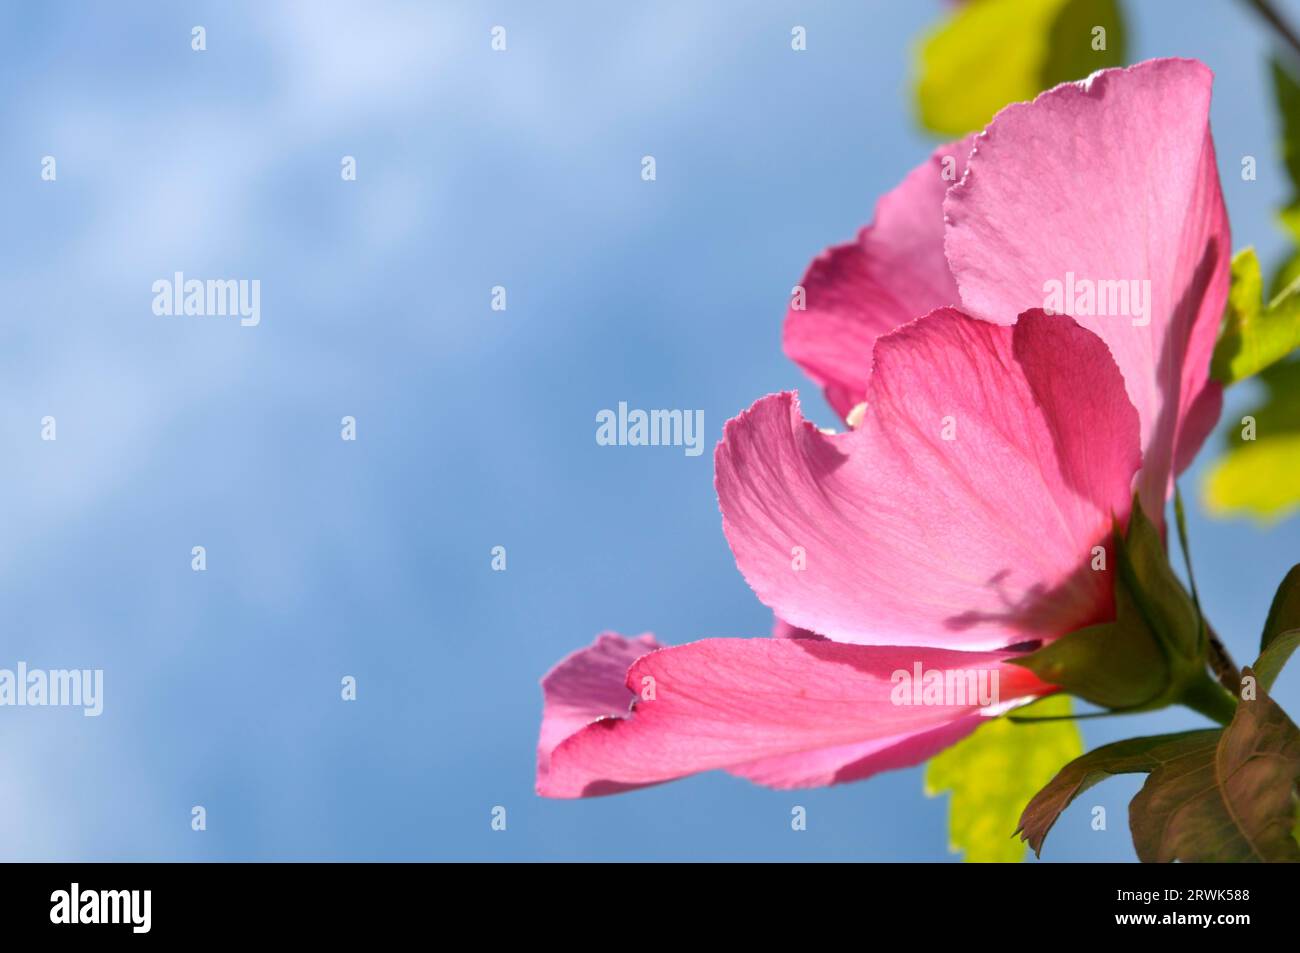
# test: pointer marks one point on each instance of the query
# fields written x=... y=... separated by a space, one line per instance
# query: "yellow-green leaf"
x=1287 y=272
x=1257 y=480
x=1259 y=475
x=989 y=53
x=1254 y=336
x=992 y=774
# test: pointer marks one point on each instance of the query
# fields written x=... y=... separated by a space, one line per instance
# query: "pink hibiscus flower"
x=954 y=524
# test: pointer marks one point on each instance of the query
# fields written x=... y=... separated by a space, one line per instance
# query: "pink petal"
x=1199 y=421
x=910 y=539
x=856 y=762
x=784 y=630
x=893 y=273
x=1112 y=179
x=784 y=712
x=587 y=685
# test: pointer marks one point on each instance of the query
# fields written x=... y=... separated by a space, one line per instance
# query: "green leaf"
x=1222 y=794
x=1272 y=659
x=1070 y=53
x=1254 y=336
x=1284 y=612
x=1286 y=93
x=1136 y=755
x=993 y=52
x=1231 y=801
x=991 y=774
x=1287 y=272
x=1281 y=630
x=1257 y=478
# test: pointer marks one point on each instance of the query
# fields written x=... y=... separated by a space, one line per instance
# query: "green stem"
x=1221 y=662
x=1274 y=19
x=1207 y=697
x=1181 y=520
x=1225 y=669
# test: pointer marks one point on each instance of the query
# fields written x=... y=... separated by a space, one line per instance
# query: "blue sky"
x=475 y=427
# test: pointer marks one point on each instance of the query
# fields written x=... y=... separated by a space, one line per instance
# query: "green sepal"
x=1161 y=599
x=1151 y=653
